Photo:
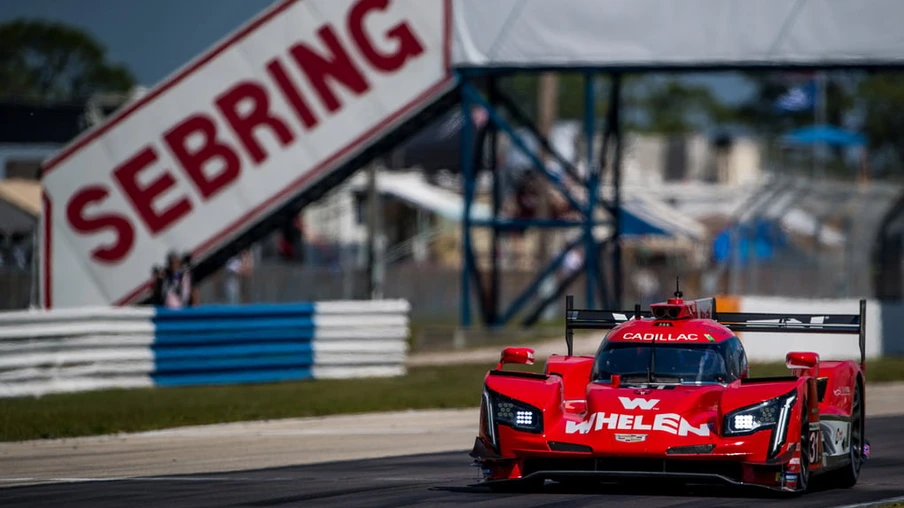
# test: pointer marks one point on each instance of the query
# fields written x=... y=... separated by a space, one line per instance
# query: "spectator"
x=237 y=268
x=19 y=251
x=194 y=296
x=158 y=275
x=572 y=263
x=174 y=288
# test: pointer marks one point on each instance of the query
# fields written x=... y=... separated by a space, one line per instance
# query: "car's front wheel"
x=803 y=479
x=847 y=476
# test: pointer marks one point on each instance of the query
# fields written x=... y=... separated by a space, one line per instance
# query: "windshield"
x=672 y=363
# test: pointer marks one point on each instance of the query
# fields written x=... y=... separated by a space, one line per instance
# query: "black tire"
x=803 y=479
x=847 y=476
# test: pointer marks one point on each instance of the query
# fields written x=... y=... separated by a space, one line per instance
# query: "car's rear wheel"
x=847 y=476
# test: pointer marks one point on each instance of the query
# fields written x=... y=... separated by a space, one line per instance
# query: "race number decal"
x=813 y=441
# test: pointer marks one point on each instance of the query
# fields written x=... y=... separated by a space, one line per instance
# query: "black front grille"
x=728 y=469
x=535 y=465
x=569 y=447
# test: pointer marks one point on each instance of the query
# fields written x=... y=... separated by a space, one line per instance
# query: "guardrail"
x=71 y=350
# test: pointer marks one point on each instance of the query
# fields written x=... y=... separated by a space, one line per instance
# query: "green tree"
x=523 y=90
x=648 y=104
x=42 y=60
x=881 y=97
x=671 y=107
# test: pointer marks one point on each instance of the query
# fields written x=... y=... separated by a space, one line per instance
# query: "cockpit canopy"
x=721 y=362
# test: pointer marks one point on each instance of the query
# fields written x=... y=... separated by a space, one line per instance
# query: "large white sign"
x=238 y=132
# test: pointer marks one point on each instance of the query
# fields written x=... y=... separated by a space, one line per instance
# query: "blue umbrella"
x=824 y=134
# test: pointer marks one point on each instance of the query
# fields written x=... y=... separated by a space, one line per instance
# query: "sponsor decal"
x=791 y=477
x=670 y=423
x=709 y=337
x=835 y=437
x=813 y=448
x=814 y=320
x=645 y=404
x=703 y=308
x=661 y=337
x=842 y=391
x=630 y=438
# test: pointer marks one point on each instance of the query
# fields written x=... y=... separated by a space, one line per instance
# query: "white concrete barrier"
x=95 y=348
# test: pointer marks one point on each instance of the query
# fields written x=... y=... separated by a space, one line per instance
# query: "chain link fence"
x=822 y=247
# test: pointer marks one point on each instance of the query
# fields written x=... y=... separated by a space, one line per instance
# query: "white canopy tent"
x=660 y=34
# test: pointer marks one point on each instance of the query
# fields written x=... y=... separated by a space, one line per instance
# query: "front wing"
x=696 y=470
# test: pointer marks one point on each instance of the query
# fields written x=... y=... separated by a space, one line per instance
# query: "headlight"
x=772 y=414
x=515 y=414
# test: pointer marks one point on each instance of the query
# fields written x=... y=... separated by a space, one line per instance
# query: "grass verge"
x=111 y=411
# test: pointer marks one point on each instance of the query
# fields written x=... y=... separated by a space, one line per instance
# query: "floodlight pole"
x=591 y=253
x=467 y=179
x=374 y=291
x=615 y=118
x=492 y=311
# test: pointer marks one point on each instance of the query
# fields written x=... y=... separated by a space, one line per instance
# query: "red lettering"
x=338 y=65
x=125 y=233
x=143 y=197
x=193 y=162
x=408 y=46
x=259 y=115
x=291 y=93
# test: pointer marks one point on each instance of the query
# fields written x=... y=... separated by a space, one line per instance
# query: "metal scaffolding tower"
x=601 y=265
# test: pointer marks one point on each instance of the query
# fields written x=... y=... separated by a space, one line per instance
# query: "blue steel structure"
x=600 y=256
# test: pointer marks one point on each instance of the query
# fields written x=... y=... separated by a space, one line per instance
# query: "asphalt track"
x=440 y=479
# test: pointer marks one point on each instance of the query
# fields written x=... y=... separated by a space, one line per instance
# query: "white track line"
x=873 y=504
x=198 y=479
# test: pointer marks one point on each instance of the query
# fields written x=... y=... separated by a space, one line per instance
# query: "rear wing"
x=768 y=322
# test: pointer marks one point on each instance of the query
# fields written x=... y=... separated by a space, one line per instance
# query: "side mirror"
x=519 y=355
x=801 y=360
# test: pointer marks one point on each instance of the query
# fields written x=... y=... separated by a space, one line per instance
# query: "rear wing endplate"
x=767 y=322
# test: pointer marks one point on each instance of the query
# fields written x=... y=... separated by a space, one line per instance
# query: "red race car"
x=668 y=395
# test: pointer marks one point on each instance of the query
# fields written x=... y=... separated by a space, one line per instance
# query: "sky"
x=154 y=38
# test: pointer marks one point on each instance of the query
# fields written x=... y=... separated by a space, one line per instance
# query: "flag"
x=799 y=98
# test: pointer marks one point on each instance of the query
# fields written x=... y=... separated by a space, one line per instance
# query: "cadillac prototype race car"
x=668 y=395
